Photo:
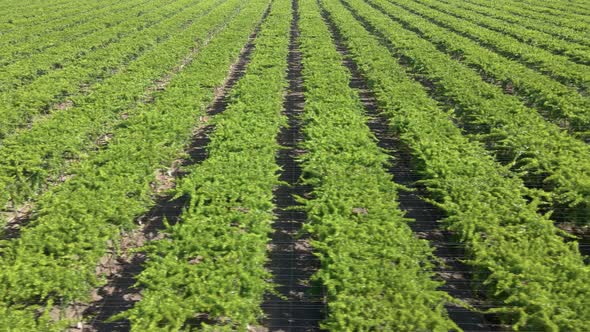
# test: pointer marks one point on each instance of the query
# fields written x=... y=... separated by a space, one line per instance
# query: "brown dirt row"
x=299 y=304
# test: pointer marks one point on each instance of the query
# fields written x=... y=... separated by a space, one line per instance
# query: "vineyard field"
x=294 y=165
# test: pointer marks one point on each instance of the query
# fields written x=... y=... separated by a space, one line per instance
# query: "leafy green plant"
x=546 y=17
x=209 y=273
x=35 y=158
x=377 y=274
x=56 y=255
x=34 y=85
x=545 y=156
x=49 y=35
x=558 y=66
x=555 y=101
x=501 y=11
x=518 y=255
x=576 y=52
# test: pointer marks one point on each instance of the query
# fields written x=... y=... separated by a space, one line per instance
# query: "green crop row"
x=20 y=19
x=378 y=275
x=529 y=12
x=556 y=9
x=557 y=66
x=520 y=259
x=33 y=6
x=577 y=53
x=26 y=70
x=33 y=158
x=210 y=267
x=26 y=46
x=548 y=32
x=32 y=12
x=24 y=103
x=557 y=102
x=537 y=150
x=55 y=257
x=578 y=7
x=531 y=23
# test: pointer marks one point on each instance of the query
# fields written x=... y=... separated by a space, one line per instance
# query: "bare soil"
x=299 y=304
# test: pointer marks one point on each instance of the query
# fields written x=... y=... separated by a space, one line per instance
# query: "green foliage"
x=35 y=84
x=518 y=254
x=50 y=36
x=578 y=24
x=31 y=160
x=558 y=102
x=56 y=255
x=378 y=275
x=502 y=11
x=543 y=154
x=45 y=47
x=108 y=59
x=209 y=271
x=558 y=66
x=22 y=21
x=30 y=319
x=575 y=52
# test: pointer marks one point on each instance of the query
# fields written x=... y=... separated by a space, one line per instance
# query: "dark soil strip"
x=582 y=236
x=456 y=275
x=16 y=220
x=584 y=246
x=300 y=306
x=119 y=294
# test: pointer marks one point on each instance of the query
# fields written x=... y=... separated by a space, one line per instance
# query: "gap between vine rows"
x=300 y=305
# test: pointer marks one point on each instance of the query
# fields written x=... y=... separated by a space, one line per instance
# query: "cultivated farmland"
x=294 y=165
